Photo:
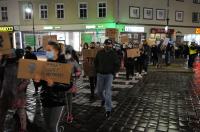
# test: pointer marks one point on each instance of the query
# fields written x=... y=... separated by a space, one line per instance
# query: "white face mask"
x=68 y=56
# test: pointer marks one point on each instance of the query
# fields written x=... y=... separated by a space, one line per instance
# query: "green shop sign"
x=100 y=26
x=29 y=40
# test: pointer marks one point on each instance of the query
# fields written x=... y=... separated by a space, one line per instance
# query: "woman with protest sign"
x=52 y=93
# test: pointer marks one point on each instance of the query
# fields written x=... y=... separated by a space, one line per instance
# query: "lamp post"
x=29 y=9
x=167 y=26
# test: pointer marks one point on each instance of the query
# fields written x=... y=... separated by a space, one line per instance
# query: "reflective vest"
x=192 y=51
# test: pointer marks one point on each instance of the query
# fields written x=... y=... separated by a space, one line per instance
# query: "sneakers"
x=102 y=103
x=139 y=76
x=69 y=118
x=108 y=113
x=127 y=82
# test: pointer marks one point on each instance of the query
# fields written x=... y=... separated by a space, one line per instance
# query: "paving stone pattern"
x=161 y=102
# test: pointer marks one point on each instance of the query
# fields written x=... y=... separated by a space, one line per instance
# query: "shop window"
x=60 y=11
x=196 y=1
x=195 y=17
x=83 y=10
x=43 y=11
x=102 y=10
x=4 y=14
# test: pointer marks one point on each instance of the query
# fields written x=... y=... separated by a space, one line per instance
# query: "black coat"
x=107 y=62
x=55 y=95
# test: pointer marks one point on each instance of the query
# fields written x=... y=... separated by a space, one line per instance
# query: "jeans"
x=52 y=117
x=104 y=89
x=93 y=81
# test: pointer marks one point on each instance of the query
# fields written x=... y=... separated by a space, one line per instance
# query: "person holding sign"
x=53 y=94
x=107 y=63
x=30 y=55
x=13 y=94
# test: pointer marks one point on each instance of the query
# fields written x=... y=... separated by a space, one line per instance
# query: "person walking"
x=154 y=55
x=30 y=55
x=146 y=51
x=107 y=63
x=160 y=51
x=192 y=54
x=53 y=94
x=13 y=94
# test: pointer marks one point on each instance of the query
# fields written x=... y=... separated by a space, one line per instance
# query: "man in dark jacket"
x=107 y=63
x=30 y=55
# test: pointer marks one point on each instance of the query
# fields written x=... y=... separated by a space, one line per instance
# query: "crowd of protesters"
x=56 y=97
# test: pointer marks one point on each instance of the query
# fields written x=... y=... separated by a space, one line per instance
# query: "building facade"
x=9 y=19
x=73 y=21
x=78 y=21
x=152 y=15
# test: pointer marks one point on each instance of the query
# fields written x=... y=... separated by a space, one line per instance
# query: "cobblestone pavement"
x=161 y=102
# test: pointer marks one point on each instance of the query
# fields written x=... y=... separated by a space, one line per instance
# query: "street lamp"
x=167 y=26
x=29 y=10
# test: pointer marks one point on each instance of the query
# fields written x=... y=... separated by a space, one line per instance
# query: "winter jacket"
x=30 y=55
x=54 y=96
x=107 y=62
x=13 y=89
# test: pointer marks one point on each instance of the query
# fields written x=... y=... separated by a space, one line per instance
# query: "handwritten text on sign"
x=58 y=72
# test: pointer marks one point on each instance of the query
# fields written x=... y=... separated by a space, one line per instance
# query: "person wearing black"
x=53 y=94
x=129 y=64
x=107 y=64
x=145 y=55
x=30 y=55
x=92 y=76
x=154 y=55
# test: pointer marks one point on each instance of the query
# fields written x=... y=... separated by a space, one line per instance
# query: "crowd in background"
x=56 y=97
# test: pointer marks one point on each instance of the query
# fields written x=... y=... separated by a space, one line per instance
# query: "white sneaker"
x=136 y=74
x=127 y=82
x=145 y=73
x=140 y=76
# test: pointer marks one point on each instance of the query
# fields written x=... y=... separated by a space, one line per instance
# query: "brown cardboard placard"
x=131 y=53
x=111 y=32
x=124 y=39
x=47 y=38
x=90 y=53
x=58 y=72
x=151 y=42
x=5 y=43
x=89 y=68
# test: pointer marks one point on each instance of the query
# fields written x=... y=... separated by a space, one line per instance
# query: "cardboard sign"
x=124 y=39
x=46 y=39
x=132 y=53
x=90 y=53
x=58 y=72
x=166 y=41
x=151 y=42
x=5 y=43
x=111 y=33
x=89 y=68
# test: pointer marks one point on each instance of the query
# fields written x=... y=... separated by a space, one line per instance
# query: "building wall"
x=13 y=12
x=187 y=6
x=71 y=12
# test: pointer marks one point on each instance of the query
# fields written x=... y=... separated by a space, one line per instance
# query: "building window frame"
x=4 y=13
x=60 y=9
x=28 y=15
x=82 y=8
x=196 y=1
x=198 y=17
x=45 y=11
x=98 y=9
